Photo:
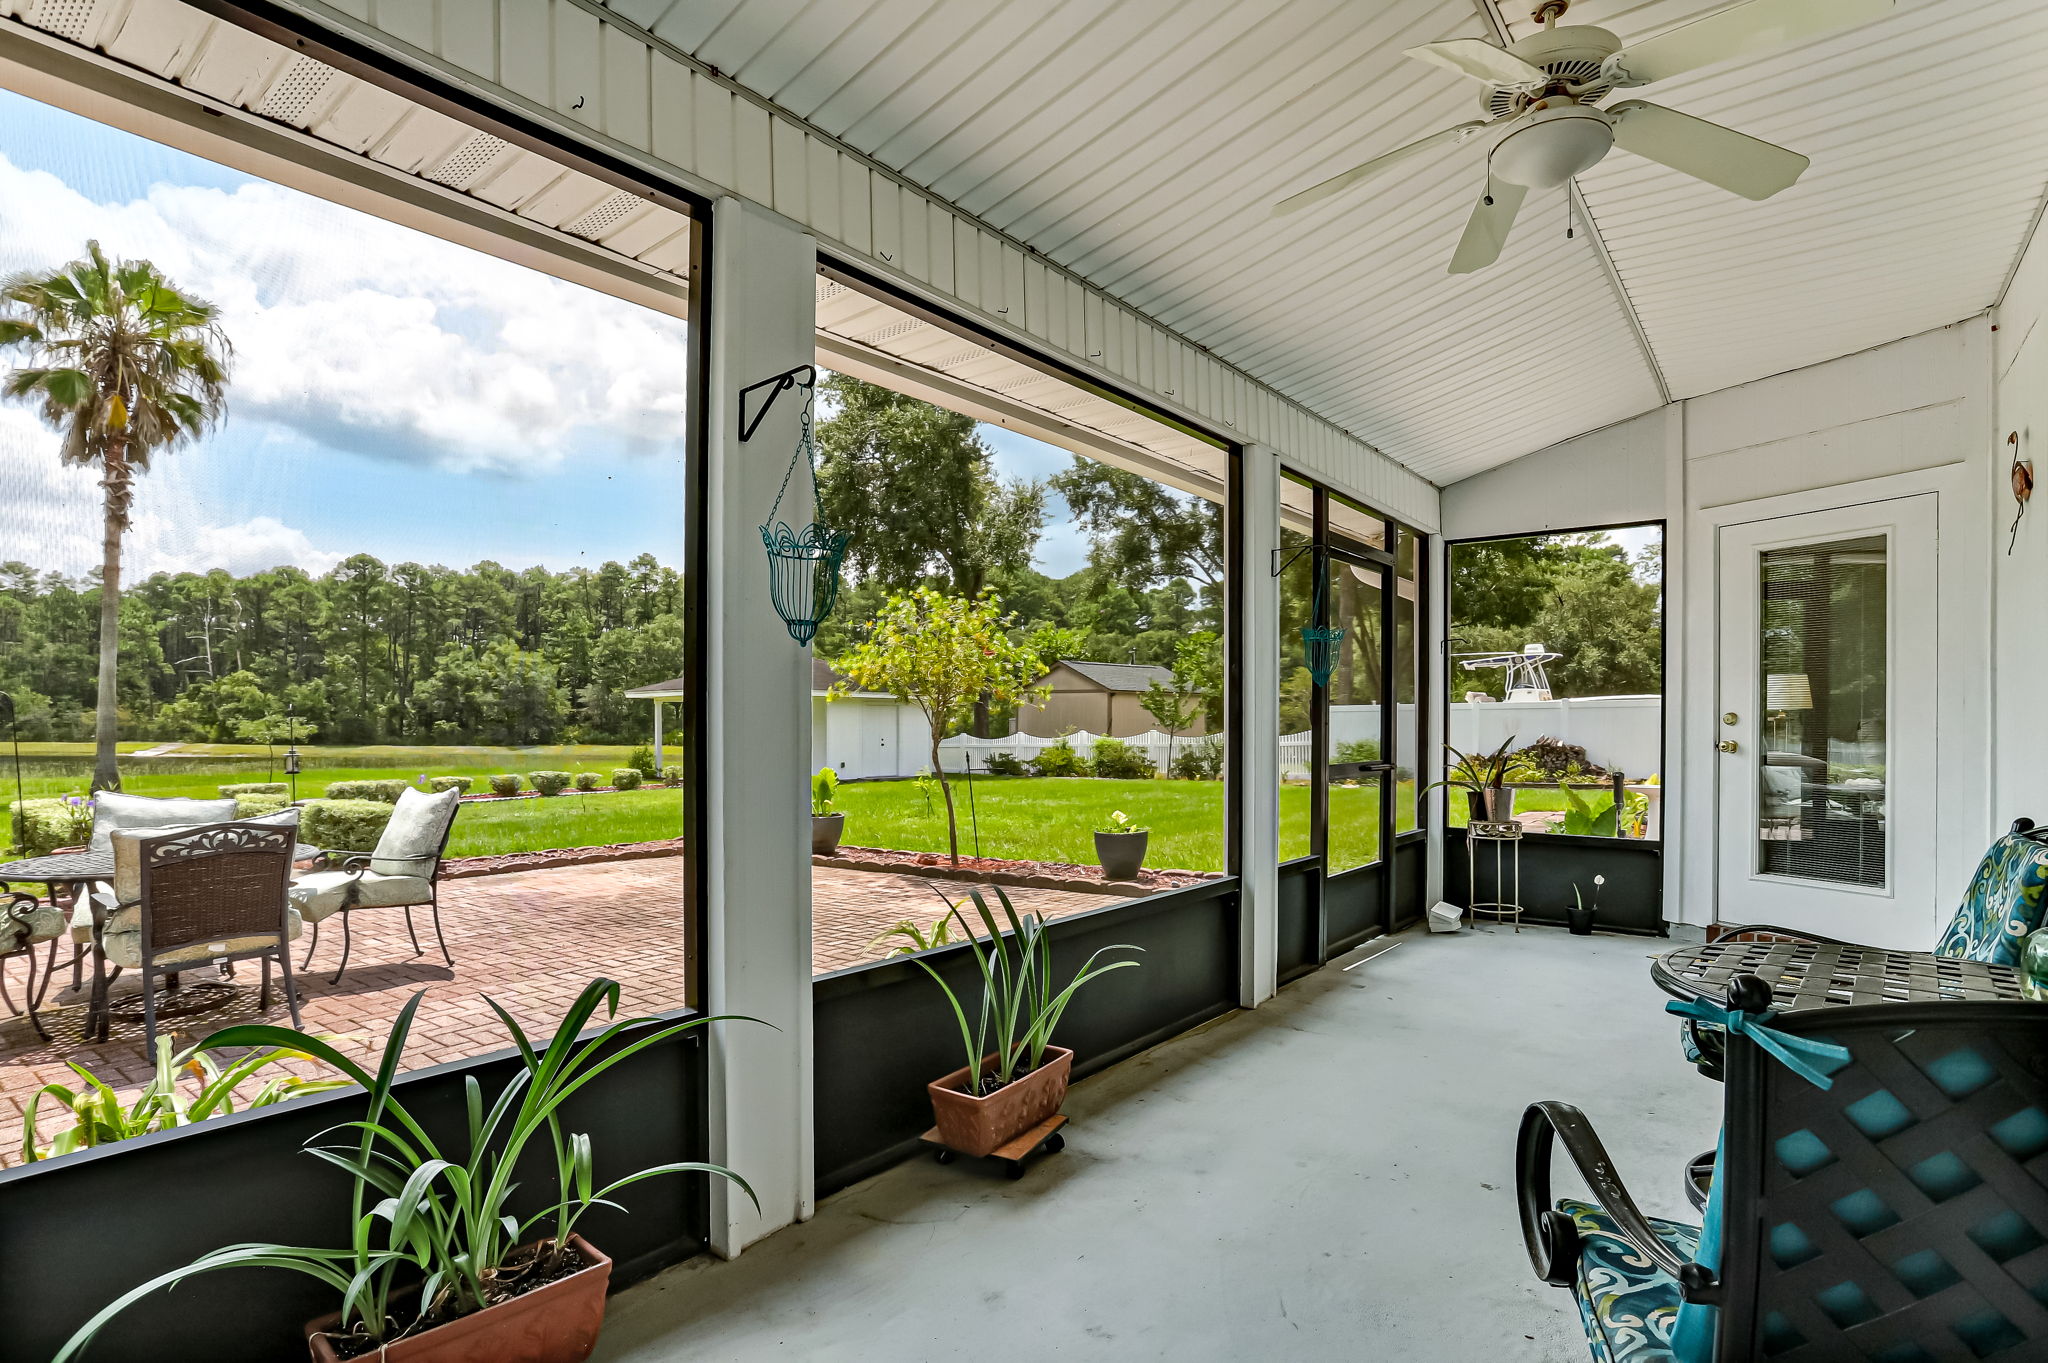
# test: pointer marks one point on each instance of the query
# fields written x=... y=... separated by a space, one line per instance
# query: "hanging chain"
x=805 y=451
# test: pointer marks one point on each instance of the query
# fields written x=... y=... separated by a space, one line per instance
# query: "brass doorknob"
x=1726 y=745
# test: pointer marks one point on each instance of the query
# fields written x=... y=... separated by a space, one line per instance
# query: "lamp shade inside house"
x=1787 y=691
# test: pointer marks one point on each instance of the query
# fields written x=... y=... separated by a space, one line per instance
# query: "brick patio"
x=529 y=939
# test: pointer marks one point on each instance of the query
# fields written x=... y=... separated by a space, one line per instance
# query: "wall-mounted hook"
x=803 y=376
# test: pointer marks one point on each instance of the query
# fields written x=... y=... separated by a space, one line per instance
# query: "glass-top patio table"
x=1804 y=974
x=65 y=876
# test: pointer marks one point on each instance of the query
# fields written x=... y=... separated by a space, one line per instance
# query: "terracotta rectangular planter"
x=558 y=1323
x=977 y=1126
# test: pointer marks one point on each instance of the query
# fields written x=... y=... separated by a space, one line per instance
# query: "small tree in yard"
x=1195 y=675
x=940 y=653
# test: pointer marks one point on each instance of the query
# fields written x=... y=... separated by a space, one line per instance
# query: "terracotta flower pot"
x=558 y=1323
x=825 y=831
x=1121 y=854
x=977 y=1126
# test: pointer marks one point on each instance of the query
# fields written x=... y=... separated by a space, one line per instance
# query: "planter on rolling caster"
x=825 y=831
x=1121 y=854
x=978 y=1126
x=555 y=1323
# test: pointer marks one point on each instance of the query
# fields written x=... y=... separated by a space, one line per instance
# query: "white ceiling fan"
x=1544 y=124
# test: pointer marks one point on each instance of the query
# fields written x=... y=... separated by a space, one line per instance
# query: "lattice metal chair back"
x=1901 y=1214
x=216 y=892
x=1890 y=1203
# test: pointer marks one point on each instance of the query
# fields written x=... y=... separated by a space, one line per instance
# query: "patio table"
x=65 y=875
x=1822 y=975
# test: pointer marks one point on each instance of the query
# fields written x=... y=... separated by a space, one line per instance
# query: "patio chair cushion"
x=28 y=925
x=2003 y=905
x=111 y=810
x=123 y=941
x=1628 y=1307
x=411 y=842
x=323 y=893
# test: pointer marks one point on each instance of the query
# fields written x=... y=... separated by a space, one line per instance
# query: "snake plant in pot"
x=436 y=1265
x=1014 y=1078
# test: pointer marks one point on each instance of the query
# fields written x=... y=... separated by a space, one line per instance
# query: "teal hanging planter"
x=803 y=565
x=1320 y=643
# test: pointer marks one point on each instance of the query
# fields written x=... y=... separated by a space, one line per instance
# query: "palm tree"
x=122 y=364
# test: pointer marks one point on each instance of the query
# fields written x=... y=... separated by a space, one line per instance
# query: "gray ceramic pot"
x=825 y=831
x=1121 y=854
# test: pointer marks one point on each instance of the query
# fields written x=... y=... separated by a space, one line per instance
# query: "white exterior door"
x=1827 y=703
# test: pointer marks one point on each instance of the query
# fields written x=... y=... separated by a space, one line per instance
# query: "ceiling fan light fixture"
x=1549 y=146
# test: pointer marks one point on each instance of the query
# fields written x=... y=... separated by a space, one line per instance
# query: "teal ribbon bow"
x=1802 y=1055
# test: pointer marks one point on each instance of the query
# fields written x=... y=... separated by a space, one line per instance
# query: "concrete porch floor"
x=1330 y=1177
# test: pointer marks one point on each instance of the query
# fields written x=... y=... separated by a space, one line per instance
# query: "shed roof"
x=1121 y=676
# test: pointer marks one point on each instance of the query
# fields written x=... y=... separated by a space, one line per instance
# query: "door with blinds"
x=1825 y=761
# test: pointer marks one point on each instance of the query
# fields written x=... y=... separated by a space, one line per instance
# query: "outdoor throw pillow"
x=111 y=810
x=412 y=839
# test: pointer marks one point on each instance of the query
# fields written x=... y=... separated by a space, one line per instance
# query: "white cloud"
x=52 y=519
x=374 y=338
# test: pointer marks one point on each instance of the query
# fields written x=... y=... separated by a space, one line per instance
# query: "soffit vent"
x=293 y=95
x=468 y=161
x=609 y=213
x=890 y=332
x=67 y=18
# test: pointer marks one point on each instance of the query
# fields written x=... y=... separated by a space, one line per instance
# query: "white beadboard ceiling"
x=1139 y=143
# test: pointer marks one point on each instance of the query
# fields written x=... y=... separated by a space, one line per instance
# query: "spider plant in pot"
x=1014 y=1078
x=826 y=826
x=1121 y=847
x=1484 y=778
x=437 y=1264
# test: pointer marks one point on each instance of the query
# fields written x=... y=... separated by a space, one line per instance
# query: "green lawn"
x=486 y=828
x=200 y=769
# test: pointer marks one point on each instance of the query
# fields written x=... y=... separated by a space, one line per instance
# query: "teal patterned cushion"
x=2003 y=904
x=1627 y=1306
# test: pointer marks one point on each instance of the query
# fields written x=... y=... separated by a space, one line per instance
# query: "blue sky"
x=392 y=394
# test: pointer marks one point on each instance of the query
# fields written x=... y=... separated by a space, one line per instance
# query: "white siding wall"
x=2020 y=360
x=597 y=76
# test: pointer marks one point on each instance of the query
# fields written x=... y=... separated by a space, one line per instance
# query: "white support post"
x=760 y=321
x=659 y=765
x=1258 y=714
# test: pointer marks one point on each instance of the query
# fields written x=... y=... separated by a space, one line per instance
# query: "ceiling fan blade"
x=1735 y=161
x=1486 y=231
x=1737 y=31
x=1479 y=59
x=1337 y=183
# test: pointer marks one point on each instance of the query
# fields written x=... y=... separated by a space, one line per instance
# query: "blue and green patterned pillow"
x=2003 y=904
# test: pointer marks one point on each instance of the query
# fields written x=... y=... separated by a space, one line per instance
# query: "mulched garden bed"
x=1037 y=875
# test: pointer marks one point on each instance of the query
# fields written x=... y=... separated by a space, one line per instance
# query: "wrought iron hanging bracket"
x=802 y=376
x=1280 y=564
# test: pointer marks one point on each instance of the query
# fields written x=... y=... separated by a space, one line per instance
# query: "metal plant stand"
x=1506 y=838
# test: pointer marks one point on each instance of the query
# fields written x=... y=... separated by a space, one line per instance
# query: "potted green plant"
x=1484 y=778
x=1014 y=1078
x=1121 y=847
x=1579 y=917
x=437 y=1268
x=826 y=826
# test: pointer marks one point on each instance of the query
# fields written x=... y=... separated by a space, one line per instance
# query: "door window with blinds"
x=1821 y=695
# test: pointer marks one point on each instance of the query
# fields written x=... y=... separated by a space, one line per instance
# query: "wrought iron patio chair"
x=25 y=924
x=403 y=871
x=1882 y=1194
x=213 y=893
x=2005 y=902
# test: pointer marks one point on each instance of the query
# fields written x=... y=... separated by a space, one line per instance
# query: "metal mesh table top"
x=1816 y=975
x=63 y=867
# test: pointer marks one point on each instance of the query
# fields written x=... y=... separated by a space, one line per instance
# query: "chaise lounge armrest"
x=1552 y=1239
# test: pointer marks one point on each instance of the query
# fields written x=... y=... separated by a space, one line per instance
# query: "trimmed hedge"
x=251 y=806
x=504 y=785
x=344 y=825
x=441 y=783
x=42 y=826
x=1061 y=760
x=641 y=759
x=585 y=780
x=625 y=778
x=255 y=788
x=385 y=791
x=549 y=782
